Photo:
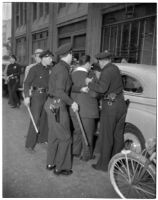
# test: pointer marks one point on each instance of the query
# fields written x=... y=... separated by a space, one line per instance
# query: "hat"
x=38 y=51
x=64 y=49
x=46 y=53
x=96 y=67
x=14 y=57
x=103 y=55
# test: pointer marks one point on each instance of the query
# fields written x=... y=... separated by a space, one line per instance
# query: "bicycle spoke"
x=144 y=191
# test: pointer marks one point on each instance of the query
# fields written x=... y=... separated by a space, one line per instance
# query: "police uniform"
x=37 y=78
x=59 y=136
x=88 y=112
x=113 y=112
x=13 y=73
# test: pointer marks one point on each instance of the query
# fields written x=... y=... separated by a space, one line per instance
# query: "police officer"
x=13 y=79
x=88 y=110
x=37 y=78
x=37 y=59
x=113 y=110
x=59 y=135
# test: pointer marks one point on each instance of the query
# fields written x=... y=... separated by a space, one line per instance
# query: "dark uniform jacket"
x=88 y=105
x=110 y=81
x=38 y=77
x=14 y=69
x=60 y=82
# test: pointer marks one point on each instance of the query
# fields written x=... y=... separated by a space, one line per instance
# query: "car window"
x=130 y=84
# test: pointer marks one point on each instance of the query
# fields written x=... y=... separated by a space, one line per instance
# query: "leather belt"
x=13 y=77
x=40 y=90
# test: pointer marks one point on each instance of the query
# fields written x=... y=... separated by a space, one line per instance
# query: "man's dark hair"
x=84 y=59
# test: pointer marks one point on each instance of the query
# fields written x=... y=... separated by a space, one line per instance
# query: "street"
x=25 y=175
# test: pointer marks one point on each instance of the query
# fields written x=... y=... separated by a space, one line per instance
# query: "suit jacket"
x=88 y=105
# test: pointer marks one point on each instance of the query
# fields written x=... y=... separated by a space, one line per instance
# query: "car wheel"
x=133 y=138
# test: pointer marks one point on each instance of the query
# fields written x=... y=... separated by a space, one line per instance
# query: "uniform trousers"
x=36 y=107
x=43 y=136
x=13 y=85
x=59 y=139
x=111 y=139
x=79 y=145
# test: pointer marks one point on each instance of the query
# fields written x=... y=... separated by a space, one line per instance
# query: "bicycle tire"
x=127 y=182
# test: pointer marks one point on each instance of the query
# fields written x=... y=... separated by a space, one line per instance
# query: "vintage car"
x=140 y=91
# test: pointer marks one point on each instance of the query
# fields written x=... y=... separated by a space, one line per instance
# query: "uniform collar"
x=65 y=64
x=45 y=67
x=81 y=69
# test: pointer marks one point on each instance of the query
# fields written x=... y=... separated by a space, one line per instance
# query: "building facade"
x=128 y=30
x=6 y=35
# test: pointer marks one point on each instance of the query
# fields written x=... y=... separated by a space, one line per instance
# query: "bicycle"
x=133 y=175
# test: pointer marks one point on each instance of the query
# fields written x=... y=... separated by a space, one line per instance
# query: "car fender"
x=144 y=121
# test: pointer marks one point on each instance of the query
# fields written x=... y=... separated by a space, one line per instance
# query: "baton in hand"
x=32 y=119
x=81 y=127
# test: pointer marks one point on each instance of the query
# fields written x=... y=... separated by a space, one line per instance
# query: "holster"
x=55 y=109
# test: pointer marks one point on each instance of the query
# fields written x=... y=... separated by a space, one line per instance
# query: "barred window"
x=130 y=35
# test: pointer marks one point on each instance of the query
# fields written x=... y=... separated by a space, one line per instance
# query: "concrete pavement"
x=25 y=176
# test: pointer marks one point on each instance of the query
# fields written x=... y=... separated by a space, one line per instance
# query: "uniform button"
x=40 y=76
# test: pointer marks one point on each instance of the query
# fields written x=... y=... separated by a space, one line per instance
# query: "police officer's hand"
x=88 y=80
x=84 y=89
x=74 y=106
x=27 y=101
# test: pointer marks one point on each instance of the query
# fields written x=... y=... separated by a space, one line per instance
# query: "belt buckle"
x=110 y=103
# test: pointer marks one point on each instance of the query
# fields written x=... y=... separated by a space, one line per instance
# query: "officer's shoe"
x=30 y=150
x=94 y=166
x=63 y=172
x=50 y=167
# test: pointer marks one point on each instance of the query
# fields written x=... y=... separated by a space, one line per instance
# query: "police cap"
x=46 y=53
x=103 y=55
x=64 y=49
x=14 y=57
x=38 y=51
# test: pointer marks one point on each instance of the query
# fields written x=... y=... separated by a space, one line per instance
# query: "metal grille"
x=133 y=40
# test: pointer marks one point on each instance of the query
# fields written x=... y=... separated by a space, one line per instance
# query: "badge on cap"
x=15 y=67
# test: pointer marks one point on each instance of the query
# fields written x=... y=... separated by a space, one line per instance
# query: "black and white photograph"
x=79 y=99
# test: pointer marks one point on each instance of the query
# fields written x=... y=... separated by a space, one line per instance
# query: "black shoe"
x=84 y=158
x=94 y=166
x=50 y=167
x=65 y=172
x=14 y=106
x=30 y=150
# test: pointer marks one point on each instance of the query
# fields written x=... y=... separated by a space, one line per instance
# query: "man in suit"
x=88 y=111
x=59 y=135
x=113 y=111
x=37 y=78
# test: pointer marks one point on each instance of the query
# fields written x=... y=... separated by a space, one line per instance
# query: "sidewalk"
x=25 y=176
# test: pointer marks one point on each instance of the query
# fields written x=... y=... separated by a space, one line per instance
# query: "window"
x=25 y=12
x=41 y=9
x=127 y=34
x=21 y=14
x=34 y=11
x=40 y=40
x=17 y=15
x=46 y=8
x=131 y=85
x=61 y=5
x=21 y=49
x=75 y=33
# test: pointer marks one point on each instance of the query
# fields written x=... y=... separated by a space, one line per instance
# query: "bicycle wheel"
x=131 y=178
